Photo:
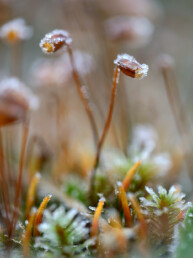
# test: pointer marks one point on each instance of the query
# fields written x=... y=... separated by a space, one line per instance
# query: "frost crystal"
x=129 y=66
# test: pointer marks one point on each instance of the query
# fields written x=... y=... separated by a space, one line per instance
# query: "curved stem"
x=83 y=97
x=106 y=128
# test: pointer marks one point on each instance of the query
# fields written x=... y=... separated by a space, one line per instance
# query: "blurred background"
x=100 y=30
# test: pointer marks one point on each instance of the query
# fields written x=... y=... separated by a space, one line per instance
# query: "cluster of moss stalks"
x=112 y=213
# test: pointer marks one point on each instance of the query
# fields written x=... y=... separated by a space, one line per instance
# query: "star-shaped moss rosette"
x=64 y=233
x=163 y=211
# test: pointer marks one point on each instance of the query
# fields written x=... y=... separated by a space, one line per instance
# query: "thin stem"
x=174 y=100
x=106 y=128
x=19 y=182
x=84 y=98
x=8 y=159
x=4 y=187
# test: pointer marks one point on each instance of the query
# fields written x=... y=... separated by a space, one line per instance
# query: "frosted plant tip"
x=130 y=67
x=15 y=30
x=101 y=197
x=54 y=41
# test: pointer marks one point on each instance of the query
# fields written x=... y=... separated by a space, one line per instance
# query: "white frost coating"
x=102 y=199
x=14 y=86
x=190 y=215
x=17 y=26
x=57 y=213
x=119 y=184
x=158 y=212
x=55 y=37
x=140 y=72
x=152 y=193
x=172 y=190
x=165 y=210
x=92 y=208
x=146 y=202
x=161 y=190
x=126 y=57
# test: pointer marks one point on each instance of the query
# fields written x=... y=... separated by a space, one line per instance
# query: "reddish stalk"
x=8 y=159
x=106 y=128
x=4 y=187
x=84 y=98
x=19 y=182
